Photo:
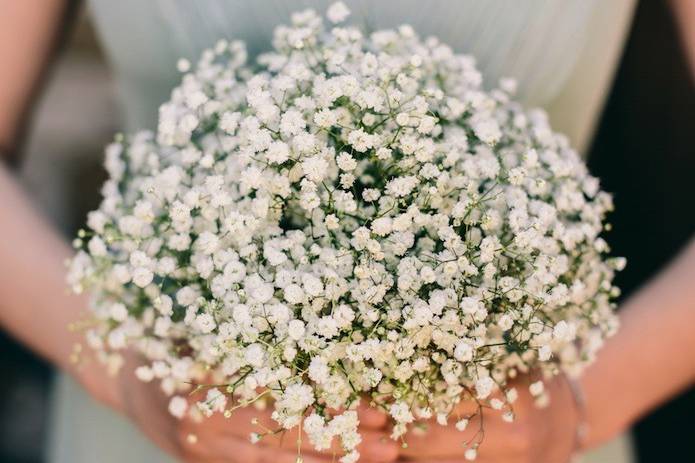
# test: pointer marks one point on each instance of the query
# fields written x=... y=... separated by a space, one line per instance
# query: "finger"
x=377 y=447
x=236 y=450
x=478 y=459
x=375 y=443
x=371 y=417
x=465 y=408
x=500 y=440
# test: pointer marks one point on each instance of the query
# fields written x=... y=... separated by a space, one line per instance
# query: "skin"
x=684 y=12
x=33 y=256
x=532 y=437
x=220 y=439
x=618 y=390
x=40 y=319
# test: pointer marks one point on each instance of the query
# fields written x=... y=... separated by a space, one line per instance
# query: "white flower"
x=327 y=327
x=536 y=388
x=315 y=168
x=278 y=152
x=207 y=242
x=347 y=214
x=298 y=397
x=294 y=294
x=373 y=376
x=346 y=162
x=179 y=212
x=361 y=140
x=183 y=65
x=314 y=423
x=371 y=194
x=119 y=312
x=292 y=122
x=230 y=121
x=402 y=119
x=186 y=296
x=318 y=370
x=505 y=322
x=461 y=424
x=563 y=331
x=142 y=276
x=382 y=226
x=401 y=413
x=496 y=404
x=178 y=406
x=144 y=373
x=296 y=329
x=257 y=290
x=214 y=401
x=332 y=222
x=401 y=186
x=254 y=355
x=96 y=220
x=97 y=247
x=544 y=353
x=326 y=118
x=488 y=248
x=164 y=305
x=484 y=387
x=463 y=352
x=205 y=323
x=337 y=12
x=470 y=305
x=350 y=457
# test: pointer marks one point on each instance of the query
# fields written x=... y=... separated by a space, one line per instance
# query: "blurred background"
x=644 y=152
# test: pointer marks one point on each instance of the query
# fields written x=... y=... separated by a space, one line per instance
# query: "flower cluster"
x=347 y=218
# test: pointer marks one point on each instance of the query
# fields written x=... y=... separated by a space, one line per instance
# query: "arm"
x=650 y=359
x=35 y=306
x=28 y=37
x=647 y=362
x=684 y=14
x=31 y=253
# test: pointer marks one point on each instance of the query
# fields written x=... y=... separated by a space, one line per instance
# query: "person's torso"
x=562 y=53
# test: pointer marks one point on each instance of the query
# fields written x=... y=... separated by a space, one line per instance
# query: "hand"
x=218 y=439
x=538 y=435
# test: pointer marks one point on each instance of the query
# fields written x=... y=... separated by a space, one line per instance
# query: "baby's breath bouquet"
x=347 y=218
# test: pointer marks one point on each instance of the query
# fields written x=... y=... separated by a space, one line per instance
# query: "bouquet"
x=346 y=218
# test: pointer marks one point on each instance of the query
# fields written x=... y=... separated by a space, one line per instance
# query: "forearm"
x=650 y=359
x=35 y=306
x=30 y=30
x=684 y=13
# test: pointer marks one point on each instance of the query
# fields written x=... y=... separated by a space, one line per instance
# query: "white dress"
x=563 y=55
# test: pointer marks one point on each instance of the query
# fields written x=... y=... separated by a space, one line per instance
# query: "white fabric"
x=539 y=42
x=563 y=53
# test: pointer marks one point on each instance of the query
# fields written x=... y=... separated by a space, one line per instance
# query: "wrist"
x=605 y=415
x=581 y=428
